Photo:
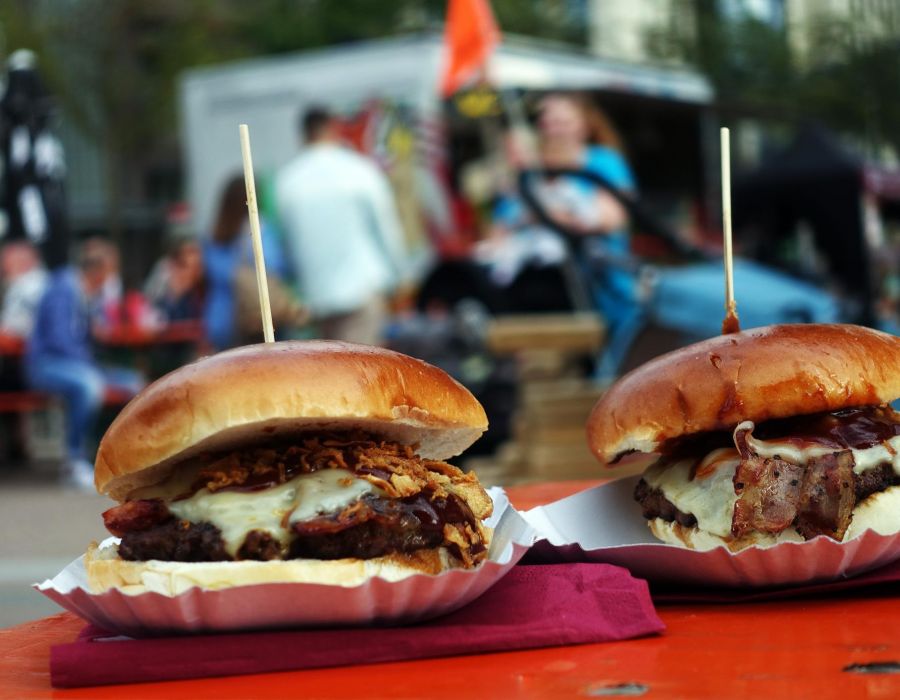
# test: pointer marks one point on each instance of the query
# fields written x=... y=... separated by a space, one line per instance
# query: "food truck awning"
x=268 y=93
x=534 y=65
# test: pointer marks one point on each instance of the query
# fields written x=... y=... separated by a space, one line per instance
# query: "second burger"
x=295 y=461
x=774 y=434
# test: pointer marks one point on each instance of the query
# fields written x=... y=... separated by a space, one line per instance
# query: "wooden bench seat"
x=26 y=401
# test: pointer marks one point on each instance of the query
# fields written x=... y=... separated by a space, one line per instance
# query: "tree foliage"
x=846 y=73
x=114 y=64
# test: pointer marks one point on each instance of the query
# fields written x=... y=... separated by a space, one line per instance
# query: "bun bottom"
x=105 y=571
x=879 y=512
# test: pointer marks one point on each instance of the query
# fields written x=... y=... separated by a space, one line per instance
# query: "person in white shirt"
x=342 y=232
x=24 y=279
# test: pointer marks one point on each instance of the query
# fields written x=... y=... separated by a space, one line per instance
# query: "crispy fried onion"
x=395 y=469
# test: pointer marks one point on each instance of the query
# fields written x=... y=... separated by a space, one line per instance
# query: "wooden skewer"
x=261 y=282
x=731 y=324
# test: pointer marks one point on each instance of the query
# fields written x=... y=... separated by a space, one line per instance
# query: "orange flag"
x=471 y=35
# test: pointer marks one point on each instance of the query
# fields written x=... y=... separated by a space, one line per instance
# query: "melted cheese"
x=272 y=510
x=710 y=496
x=879 y=512
x=694 y=538
x=709 y=499
x=887 y=452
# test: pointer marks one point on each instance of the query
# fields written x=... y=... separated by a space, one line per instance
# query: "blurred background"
x=525 y=193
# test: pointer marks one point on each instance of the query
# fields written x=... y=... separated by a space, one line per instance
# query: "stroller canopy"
x=814 y=180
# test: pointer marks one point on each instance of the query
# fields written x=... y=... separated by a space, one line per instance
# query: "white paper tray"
x=283 y=605
x=604 y=524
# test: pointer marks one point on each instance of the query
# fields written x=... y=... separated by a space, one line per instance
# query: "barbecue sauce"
x=731 y=324
x=857 y=428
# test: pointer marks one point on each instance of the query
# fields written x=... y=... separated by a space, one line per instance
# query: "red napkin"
x=884 y=579
x=532 y=606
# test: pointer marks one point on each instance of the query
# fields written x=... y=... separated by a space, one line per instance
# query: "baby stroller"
x=671 y=304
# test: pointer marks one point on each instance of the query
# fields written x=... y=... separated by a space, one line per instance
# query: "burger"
x=312 y=461
x=776 y=434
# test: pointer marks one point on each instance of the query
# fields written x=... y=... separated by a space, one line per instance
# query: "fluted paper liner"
x=604 y=524
x=284 y=605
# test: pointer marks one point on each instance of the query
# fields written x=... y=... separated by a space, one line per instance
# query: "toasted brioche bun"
x=106 y=571
x=879 y=512
x=692 y=537
x=758 y=374
x=252 y=392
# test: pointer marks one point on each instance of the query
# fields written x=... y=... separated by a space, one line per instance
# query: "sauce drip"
x=856 y=428
x=386 y=525
x=731 y=324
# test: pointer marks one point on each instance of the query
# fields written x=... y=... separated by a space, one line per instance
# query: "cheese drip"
x=275 y=509
x=888 y=452
x=710 y=498
x=710 y=495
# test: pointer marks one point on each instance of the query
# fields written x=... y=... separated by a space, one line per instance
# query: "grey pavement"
x=44 y=526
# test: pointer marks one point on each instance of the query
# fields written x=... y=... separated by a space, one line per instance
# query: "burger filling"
x=794 y=478
x=328 y=497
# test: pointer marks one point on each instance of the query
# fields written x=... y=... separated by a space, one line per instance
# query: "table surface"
x=788 y=649
x=129 y=336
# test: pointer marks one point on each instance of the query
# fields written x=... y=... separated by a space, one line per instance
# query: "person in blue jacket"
x=59 y=358
x=574 y=134
x=228 y=248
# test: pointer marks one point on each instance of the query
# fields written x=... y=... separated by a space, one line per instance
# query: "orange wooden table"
x=129 y=336
x=153 y=351
x=790 y=649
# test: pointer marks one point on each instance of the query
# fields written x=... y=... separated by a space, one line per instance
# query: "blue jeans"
x=81 y=385
x=620 y=337
x=615 y=295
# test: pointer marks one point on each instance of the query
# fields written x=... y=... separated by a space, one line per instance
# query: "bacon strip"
x=817 y=498
x=135 y=516
x=355 y=514
x=374 y=526
x=827 y=498
x=769 y=495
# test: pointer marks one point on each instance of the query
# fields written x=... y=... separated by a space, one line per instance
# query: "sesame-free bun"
x=105 y=571
x=258 y=391
x=758 y=374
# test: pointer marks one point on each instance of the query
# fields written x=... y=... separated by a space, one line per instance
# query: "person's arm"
x=276 y=260
x=291 y=265
x=20 y=306
x=611 y=215
x=386 y=224
x=613 y=166
x=60 y=314
x=508 y=214
x=17 y=315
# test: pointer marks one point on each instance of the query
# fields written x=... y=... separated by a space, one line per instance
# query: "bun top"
x=259 y=391
x=758 y=374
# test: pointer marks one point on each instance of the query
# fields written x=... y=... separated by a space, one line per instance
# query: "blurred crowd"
x=337 y=245
x=558 y=210
x=334 y=252
x=569 y=221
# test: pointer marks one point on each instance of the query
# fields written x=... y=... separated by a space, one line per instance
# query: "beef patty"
x=421 y=503
x=371 y=527
x=810 y=505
